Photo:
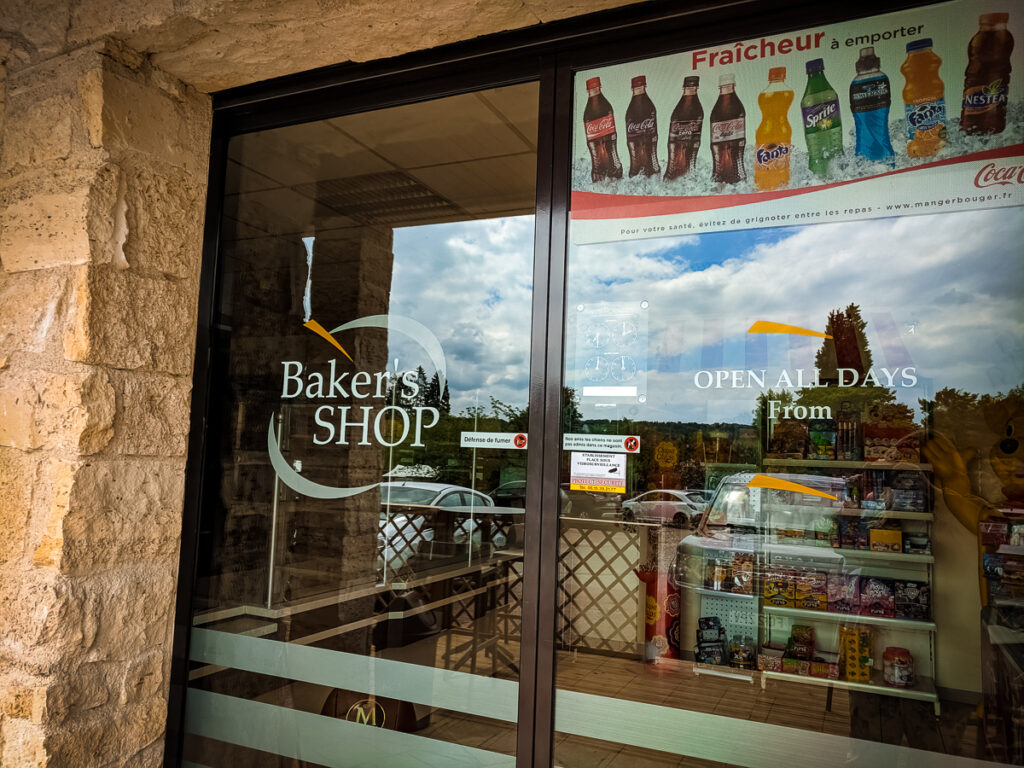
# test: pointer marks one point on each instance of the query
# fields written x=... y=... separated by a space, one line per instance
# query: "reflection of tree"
x=975 y=417
x=783 y=397
x=430 y=392
x=848 y=347
x=572 y=417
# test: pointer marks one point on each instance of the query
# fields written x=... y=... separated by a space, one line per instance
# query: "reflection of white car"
x=431 y=495
x=665 y=506
x=402 y=531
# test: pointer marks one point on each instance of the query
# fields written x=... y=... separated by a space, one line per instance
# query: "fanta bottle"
x=923 y=97
x=774 y=134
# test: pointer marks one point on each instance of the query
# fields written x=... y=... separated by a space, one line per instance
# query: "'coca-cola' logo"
x=602 y=126
x=990 y=176
x=728 y=130
x=641 y=126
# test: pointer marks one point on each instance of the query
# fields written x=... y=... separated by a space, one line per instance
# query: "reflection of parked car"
x=588 y=504
x=513 y=494
x=665 y=506
x=409 y=518
x=431 y=494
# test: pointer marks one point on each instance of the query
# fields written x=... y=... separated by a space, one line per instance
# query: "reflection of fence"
x=482 y=591
x=412 y=539
x=600 y=598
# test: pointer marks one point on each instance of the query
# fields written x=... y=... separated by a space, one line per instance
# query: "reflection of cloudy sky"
x=470 y=283
x=940 y=293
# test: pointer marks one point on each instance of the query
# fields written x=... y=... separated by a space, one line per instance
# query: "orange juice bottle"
x=923 y=98
x=774 y=134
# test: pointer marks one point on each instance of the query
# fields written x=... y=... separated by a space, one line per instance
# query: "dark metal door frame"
x=549 y=54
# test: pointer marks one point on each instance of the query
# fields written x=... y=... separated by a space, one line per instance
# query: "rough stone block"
x=23 y=744
x=24 y=702
x=56 y=488
x=144 y=678
x=93 y=684
x=33 y=612
x=37 y=129
x=115 y=614
x=98 y=402
x=17 y=476
x=141 y=117
x=108 y=735
x=129 y=321
x=38 y=409
x=18 y=428
x=37 y=302
x=123 y=511
x=152 y=414
x=45 y=230
x=52 y=218
x=164 y=211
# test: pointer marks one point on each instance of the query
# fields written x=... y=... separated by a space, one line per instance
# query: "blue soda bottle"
x=870 y=97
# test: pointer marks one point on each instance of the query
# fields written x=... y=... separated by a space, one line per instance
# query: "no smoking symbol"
x=519 y=441
x=631 y=444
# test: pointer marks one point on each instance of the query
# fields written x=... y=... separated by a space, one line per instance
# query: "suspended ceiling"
x=471 y=156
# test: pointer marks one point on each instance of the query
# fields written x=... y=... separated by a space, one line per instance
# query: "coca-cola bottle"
x=987 y=79
x=684 y=131
x=599 y=125
x=642 y=131
x=728 y=134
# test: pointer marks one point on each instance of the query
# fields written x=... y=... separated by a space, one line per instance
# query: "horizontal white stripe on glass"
x=324 y=740
x=609 y=391
x=444 y=688
x=731 y=740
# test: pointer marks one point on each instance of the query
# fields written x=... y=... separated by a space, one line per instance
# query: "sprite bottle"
x=823 y=127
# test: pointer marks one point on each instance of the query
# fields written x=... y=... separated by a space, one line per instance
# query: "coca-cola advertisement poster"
x=905 y=113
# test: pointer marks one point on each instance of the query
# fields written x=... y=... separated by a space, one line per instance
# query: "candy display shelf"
x=922 y=690
x=831 y=553
x=849 y=618
x=830 y=464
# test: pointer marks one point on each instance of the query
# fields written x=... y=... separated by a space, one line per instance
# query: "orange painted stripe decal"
x=767 y=481
x=765 y=326
x=319 y=330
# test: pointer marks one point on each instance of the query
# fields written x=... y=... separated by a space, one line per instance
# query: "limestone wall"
x=103 y=166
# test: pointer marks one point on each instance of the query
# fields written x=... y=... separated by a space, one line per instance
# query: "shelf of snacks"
x=802 y=512
x=722 y=593
x=732 y=673
x=923 y=690
x=886 y=514
x=808 y=550
x=812 y=615
x=837 y=464
x=852 y=666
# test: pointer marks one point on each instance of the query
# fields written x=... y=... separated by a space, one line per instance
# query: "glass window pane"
x=854 y=573
x=358 y=597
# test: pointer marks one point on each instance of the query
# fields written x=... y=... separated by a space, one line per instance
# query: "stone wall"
x=103 y=166
x=217 y=44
